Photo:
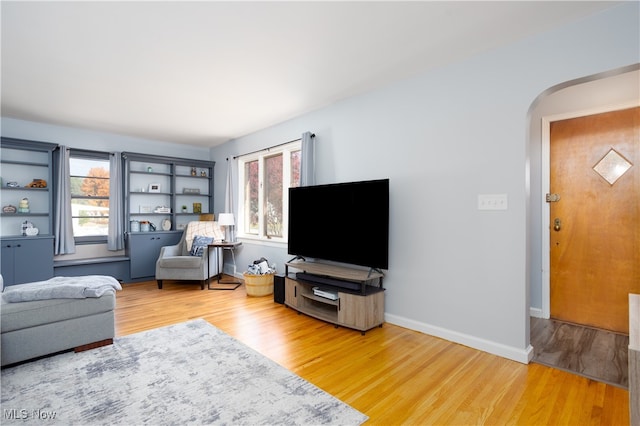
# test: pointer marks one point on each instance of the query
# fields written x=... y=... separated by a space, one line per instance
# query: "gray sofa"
x=42 y=327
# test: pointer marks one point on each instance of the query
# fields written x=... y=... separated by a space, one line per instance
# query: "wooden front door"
x=595 y=223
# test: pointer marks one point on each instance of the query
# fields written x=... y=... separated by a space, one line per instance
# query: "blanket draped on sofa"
x=63 y=288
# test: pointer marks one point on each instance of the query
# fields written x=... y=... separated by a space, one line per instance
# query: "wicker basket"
x=258 y=285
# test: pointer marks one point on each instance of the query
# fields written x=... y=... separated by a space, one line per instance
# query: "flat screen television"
x=342 y=222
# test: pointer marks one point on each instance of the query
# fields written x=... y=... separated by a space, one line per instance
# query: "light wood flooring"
x=393 y=375
x=599 y=354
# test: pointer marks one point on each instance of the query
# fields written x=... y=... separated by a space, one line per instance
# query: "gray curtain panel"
x=115 y=239
x=307 y=163
x=63 y=225
x=229 y=204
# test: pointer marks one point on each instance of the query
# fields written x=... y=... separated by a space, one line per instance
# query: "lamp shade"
x=226 y=219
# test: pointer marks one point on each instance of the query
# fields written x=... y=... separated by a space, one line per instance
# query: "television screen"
x=343 y=222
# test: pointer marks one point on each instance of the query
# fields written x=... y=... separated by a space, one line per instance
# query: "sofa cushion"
x=17 y=316
x=186 y=262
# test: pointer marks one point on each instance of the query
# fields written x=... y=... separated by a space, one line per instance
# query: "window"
x=89 y=195
x=265 y=179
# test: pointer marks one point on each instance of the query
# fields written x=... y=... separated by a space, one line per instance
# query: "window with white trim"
x=264 y=181
x=89 y=195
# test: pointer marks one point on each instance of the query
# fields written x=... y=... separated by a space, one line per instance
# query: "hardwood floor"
x=393 y=375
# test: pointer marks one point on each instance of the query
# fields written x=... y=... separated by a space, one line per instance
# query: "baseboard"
x=231 y=270
x=536 y=312
x=516 y=354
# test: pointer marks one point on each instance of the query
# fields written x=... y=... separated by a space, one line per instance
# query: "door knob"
x=557 y=224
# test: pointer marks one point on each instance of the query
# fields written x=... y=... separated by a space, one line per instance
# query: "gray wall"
x=443 y=138
x=98 y=141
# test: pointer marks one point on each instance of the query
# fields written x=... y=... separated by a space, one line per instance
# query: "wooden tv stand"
x=357 y=309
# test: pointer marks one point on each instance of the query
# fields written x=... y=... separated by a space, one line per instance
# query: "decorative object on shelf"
x=37 y=183
x=184 y=209
x=28 y=229
x=144 y=209
x=203 y=173
x=197 y=207
x=145 y=226
x=166 y=225
x=154 y=187
x=162 y=209
x=134 y=225
x=23 y=206
x=227 y=220
x=194 y=172
x=32 y=232
x=149 y=169
x=191 y=190
x=9 y=209
x=12 y=184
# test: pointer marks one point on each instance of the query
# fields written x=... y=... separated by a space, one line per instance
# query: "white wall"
x=443 y=138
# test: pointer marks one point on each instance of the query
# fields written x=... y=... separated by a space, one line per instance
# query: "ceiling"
x=202 y=73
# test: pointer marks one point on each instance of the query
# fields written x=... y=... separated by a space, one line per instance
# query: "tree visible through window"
x=89 y=196
x=266 y=178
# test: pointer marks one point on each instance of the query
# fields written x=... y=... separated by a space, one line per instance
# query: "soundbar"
x=319 y=279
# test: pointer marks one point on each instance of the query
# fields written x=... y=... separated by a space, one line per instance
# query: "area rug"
x=589 y=352
x=188 y=373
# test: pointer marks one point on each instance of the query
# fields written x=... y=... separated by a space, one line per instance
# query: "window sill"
x=262 y=242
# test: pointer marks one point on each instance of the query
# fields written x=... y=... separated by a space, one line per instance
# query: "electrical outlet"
x=493 y=202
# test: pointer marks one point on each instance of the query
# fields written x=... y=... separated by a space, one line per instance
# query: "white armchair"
x=176 y=263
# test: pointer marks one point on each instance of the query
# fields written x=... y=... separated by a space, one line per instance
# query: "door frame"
x=546 y=183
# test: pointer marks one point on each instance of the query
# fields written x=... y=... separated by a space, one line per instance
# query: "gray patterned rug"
x=188 y=373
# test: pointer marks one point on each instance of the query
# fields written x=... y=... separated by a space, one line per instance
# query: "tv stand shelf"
x=360 y=310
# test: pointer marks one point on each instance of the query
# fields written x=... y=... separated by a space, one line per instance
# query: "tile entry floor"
x=597 y=354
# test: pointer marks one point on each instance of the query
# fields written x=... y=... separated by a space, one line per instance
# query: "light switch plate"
x=493 y=202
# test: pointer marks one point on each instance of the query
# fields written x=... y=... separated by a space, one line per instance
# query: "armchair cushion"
x=179 y=262
x=198 y=245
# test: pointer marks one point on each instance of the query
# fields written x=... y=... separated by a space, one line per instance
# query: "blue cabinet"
x=143 y=249
x=26 y=259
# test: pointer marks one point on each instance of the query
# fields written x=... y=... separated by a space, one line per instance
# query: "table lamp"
x=226 y=220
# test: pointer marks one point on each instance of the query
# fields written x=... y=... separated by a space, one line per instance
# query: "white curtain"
x=115 y=238
x=63 y=225
x=307 y=162
x=229 y=205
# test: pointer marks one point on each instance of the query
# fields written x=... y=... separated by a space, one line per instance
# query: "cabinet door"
x=33 y=260
x=8 y=253
x=361 y=312
x=291 y=292
x=144 y=249
x=25 y=260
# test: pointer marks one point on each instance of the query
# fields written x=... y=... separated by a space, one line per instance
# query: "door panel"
x=595 y=224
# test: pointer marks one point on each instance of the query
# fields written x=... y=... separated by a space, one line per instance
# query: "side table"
x=221 y=247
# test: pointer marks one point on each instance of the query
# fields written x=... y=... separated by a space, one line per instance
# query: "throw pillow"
x=199 y=244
